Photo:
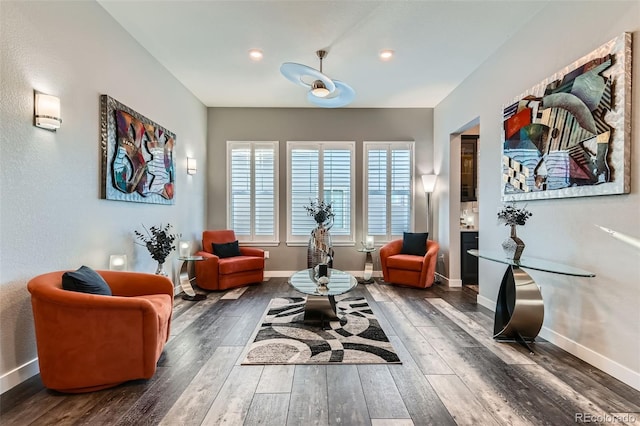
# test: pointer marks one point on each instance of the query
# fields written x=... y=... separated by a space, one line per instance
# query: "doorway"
x=464 y=205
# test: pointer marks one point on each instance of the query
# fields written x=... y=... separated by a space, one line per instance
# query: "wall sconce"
x=118 y=262
x=192 y=168
x=47 y=111
x=184 y=248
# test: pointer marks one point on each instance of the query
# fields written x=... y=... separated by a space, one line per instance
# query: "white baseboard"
x=609 y=366
x=450 y=282
x=487 y=303
x=18 y=375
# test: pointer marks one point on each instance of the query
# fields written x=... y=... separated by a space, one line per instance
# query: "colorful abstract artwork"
x=569 y=136
x=137 y=156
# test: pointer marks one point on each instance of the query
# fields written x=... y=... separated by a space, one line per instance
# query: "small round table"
x=186 y=277
x=368 y=265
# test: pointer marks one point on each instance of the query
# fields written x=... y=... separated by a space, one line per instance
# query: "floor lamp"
x=429 y=184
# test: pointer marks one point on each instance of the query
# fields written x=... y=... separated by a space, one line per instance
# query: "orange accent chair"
x=88 y=342
x=216 y=273
x=408 y=269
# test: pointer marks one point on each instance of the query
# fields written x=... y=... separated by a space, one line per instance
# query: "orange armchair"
x=88 y=342
x=217 y=273
x=407 y=269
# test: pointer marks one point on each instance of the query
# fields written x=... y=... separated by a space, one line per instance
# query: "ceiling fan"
x=323 y=91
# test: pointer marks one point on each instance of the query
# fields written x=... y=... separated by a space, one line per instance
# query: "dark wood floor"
x=452 y=373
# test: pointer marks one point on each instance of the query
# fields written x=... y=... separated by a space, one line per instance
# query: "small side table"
x=186 y=277
x=368 y=265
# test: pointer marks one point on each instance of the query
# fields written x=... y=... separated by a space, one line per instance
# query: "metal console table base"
x=519 y=308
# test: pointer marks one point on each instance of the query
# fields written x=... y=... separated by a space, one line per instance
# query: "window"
x=252 y=191
x=388 y=189
x=322 y=170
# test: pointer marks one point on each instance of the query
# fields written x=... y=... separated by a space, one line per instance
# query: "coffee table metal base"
x=320 y=308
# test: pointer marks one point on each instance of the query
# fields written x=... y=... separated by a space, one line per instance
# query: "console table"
x=520 y=308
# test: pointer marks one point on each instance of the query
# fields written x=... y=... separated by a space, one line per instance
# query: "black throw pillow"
x=415 y=243
x=85 y=280
x=226 y=249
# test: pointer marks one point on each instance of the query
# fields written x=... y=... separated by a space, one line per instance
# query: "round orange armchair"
x=408 y=269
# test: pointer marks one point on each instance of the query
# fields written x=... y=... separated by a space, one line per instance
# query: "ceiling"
x=437 y=44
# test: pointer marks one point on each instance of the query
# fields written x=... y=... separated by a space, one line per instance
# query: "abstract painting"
x=569 y=136
x=137 y=156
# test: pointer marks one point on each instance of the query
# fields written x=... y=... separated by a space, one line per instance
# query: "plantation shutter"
x=264 y=208
x=305 y=183
x=252 y=190
x=389 y=182
x=401 y=181
x=337 y=188
x=240 y=203
x=324 y=171
x=377 y=192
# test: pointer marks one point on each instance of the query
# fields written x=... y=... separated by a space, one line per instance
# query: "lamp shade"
x=118 y=262
x=184 y=248
x=47 y=111
x=429 y=182
x=192 y=167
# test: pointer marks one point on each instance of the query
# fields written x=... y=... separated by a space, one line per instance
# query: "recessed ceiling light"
x=255 y=54
x=385 y=55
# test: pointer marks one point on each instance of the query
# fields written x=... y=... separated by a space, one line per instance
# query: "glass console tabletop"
x=531 y=263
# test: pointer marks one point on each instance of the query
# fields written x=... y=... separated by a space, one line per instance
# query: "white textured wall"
x=597 y=319
x=51 y=217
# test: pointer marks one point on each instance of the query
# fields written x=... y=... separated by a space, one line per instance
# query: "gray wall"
x=312 y=124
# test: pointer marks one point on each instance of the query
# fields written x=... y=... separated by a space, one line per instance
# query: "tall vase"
x=513 y=246
x=160 y=269
x=319 y=250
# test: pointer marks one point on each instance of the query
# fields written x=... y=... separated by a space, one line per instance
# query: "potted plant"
x=160 y=243
x=513 y=216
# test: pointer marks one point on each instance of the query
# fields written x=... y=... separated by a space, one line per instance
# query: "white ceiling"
x=437 y=44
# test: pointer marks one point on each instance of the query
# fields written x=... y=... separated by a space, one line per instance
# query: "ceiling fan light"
x=319 y=89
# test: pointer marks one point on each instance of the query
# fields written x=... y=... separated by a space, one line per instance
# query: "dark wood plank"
x=346 y=397
x=268 y=409
x=422 y=402
x=380 y=391
x=309 y=400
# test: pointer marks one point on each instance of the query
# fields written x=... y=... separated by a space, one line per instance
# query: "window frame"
x=388 y=146
x=337 y=240
x=253 y=239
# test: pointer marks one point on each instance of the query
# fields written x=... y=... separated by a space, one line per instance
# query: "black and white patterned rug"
x=356 y=339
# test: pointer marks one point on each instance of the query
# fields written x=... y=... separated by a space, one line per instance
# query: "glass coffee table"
x=321 y=303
